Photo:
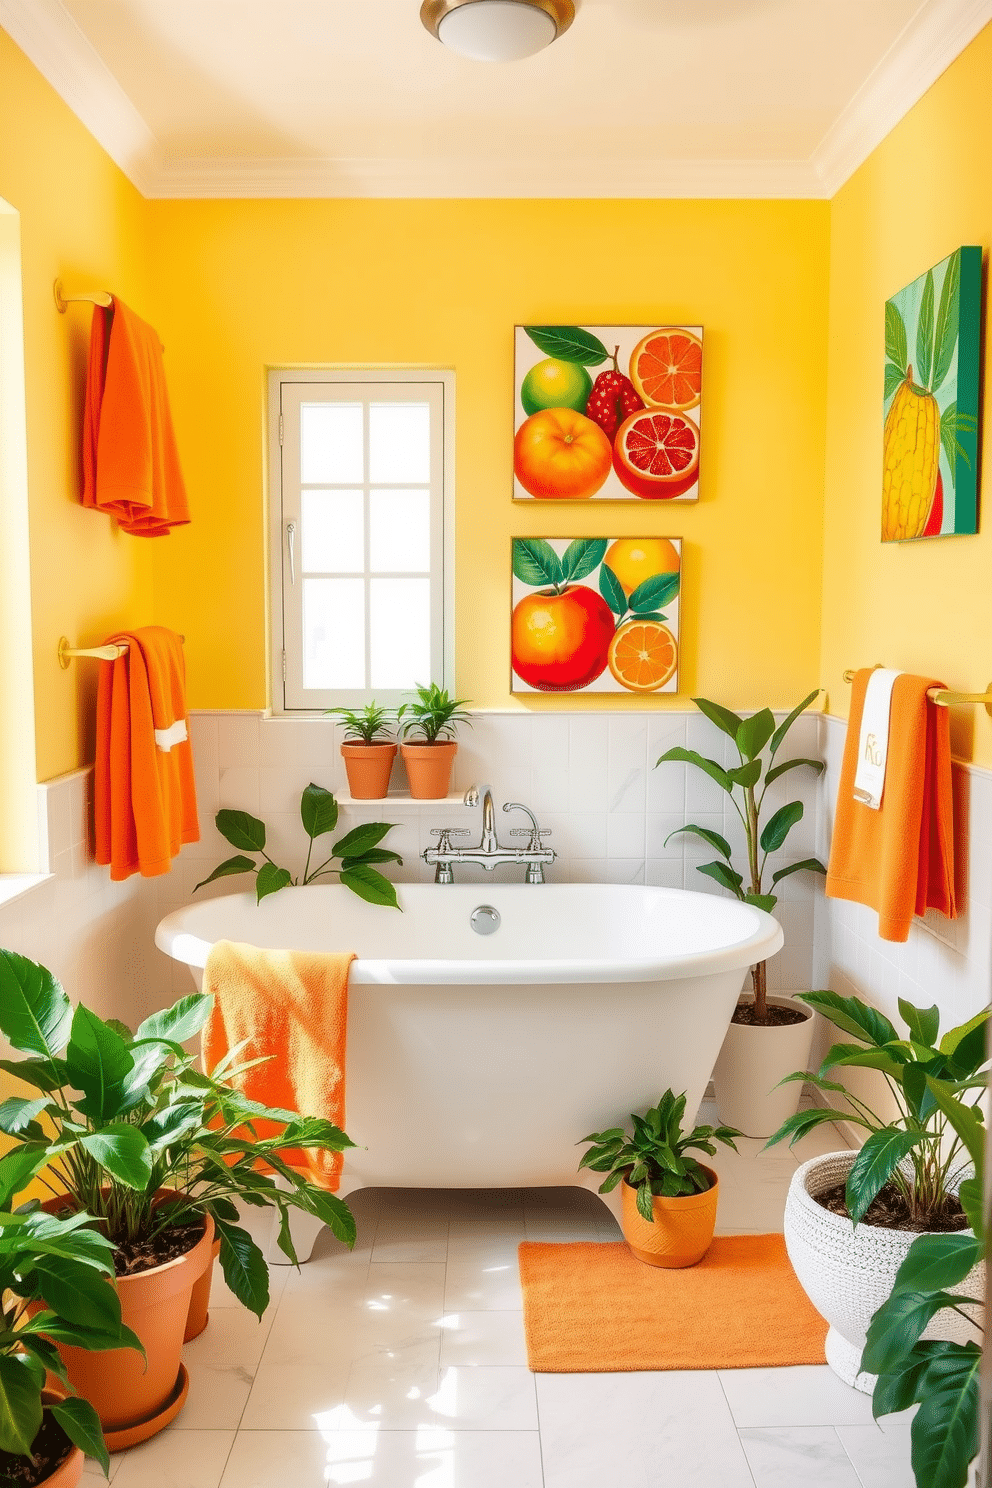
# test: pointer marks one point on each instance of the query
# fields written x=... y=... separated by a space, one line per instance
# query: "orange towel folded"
x=292 y=1007
x=899 y=859
x=130 y=460
x=144 y=793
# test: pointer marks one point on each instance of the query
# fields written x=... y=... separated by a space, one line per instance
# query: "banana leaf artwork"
x=607 y=413
x=930 y=437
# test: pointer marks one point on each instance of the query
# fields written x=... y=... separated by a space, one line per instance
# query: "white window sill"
x=16 y=885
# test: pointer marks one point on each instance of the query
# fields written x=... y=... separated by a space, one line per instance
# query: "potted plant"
x=157 y=1153
x=851 y=1217
x=53 y=1286
x=367 y=750
x=769 y=1035
x=669 y=1199
x=434 y=716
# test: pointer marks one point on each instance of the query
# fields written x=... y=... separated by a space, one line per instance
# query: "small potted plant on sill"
x=158 y=1153
x=434 y=716
x=669 y=1199
x=368 y=750
x=851 y=1217
x=770 y=1035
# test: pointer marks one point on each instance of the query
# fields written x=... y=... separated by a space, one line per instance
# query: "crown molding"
x=928 y=44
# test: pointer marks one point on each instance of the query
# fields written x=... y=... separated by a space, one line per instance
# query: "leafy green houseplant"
x=434 y=716
x=368 y=725
x=357 y=851
x=368 y=750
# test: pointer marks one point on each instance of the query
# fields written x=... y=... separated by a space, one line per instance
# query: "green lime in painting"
x=930 y=441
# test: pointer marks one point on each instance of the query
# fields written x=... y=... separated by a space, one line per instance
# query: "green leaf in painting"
x=241 y=830
x=536 y=562
x=893 y=377
x=924 y=334
x=318 y=811
x=953 y=423
x=946 y=329
x=895 y=336
x=659 y=590
x=270 y=880
x=569 y=344
x=582 y=556
x=611 y=590
x=230 y=866
x=370 y=885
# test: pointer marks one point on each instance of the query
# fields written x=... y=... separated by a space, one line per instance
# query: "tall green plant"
x=747 y=785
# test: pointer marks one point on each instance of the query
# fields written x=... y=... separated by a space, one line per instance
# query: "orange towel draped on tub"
x=130 y=460
x=293 y=1007
x=144 y=793
x=900 y=858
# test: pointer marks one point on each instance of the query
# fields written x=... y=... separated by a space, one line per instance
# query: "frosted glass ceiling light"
x=497 y=30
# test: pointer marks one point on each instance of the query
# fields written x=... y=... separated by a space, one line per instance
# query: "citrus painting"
x=595 y=614
x=930 y=408
x=607 y=413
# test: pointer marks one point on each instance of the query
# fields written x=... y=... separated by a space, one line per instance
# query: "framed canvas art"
x=595 y=614
x=930 y=405
x=607 y=413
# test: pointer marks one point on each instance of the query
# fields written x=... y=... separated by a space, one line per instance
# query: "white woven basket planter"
x=848 y=1272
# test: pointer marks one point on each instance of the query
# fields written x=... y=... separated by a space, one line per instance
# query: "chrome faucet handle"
x=444 y=834
x=531 y=832
x=519 y=806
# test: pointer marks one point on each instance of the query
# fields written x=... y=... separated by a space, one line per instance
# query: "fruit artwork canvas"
x=930 y=407
x=607 y=413
x=595 y=614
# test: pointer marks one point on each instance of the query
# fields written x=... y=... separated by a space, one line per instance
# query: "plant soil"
x=50 y=1448
x=889 y=1211
x=145 y=1254
x=777 y=1017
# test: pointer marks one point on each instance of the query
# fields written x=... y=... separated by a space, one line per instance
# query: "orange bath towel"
x=292 y=1006
x=130 y=460
x=899 y=859
x=144 y=793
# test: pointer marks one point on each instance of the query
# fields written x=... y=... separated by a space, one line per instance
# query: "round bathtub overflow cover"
x=484 y=920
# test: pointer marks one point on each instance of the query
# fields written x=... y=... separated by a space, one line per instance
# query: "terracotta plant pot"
x=428 y=768
x=681 y=1232
x=369 y=767
x=132 y=1399
x=199 y=1303
x=750 y=1065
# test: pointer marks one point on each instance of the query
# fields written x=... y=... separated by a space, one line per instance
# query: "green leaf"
x=890 y=1061
x=727 y=722
x=227 y=868
x=692 y=757
x=944 y=1433
x=308 y=1131
x=17 y=1168
x=241 y=830
x=35 y=1013
x=318 y=811
x=873 y=1167
x=536 y=562
x=374 y=855
x=97 y=1060
x=893 y=377
x=71 y=1290
x=179 y=1022
x=123 y=1151
x=817 y=766
x=612 y=590
x=20 y=1405
x=645 y=1207
x=724 y=874
x=270 y=880
x=798 y=1126
x=936 y=1262
x=853 y=1016
x=81 y=1425
x=778 y=827
x=895 y=336
x=955 y=1036
x=582 y=556
x=767 y=902
x=787 y=723
x=333 y=1211
x=754 y=733
x=966 y=1120
x=811 y=865
x=18 y=1116
x=569 y=344
x=43 y=1074
x=946 y=328
x=924 y=333
x=361 y=839
x=970 y=1051
x=895 y=1329
x=370 y=886
x=970 y=1195
x=747 y=775
x=708 y=835
x=659 y=590
x=243 y=1266
x=923 y=1023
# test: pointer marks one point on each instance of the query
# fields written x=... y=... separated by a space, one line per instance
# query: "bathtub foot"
x=612 y=1201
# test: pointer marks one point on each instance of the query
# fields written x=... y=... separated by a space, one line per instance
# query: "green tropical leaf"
x=727 y=722
x=97 y=1060
x=808 y=865
x=18 y=1116
x=924 y=334
x=361 y=839
x=536 y=562
x=708 y=835
x=747 y=775
x=178 y=1023
x=123 y=1151
x=333 y=1211
x=923 y=1023
x=35 y=1013
x=270 y=880
x=895 y=336
x=955 y=1036
x=370 y=886
x=798 y=1126
x=582 y=556
x=936 y=1262
x=852 y=1016
x=970 y=1195
x=569 y=344
x=659 y=590
x=374 y=855
x=754 y=733
x=243 y=1266
x=893 y=377
x=42 y=1074
x=81 y=1425
x=692 y=757
x=612 y=590
x=966 y=1120
x=778 y=826
x=227 y=868
x=895 y=1329
x=318 y=811
x=944 y=1433
x=873 y=1167
x=68 y=1289
x=787 y=723
x=889 y=1061
x=20 y=1405
x=645 y=1206
x=724 y=874
x=767 y=902
x=17 y=1168
x=241 y=830
x=946 y=328
x=817 y=766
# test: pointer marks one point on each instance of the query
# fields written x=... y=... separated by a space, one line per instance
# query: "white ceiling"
x=757 y=98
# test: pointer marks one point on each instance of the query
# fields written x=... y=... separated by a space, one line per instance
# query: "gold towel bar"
x=945 y=698
x=100 y=653
x=94 y=297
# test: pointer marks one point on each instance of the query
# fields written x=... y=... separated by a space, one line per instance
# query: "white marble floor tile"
x=470 y=1229
x=483 y=1338
x=392 y=1386
x=805 y=1395
x=880 y=1458
x=478 y=1248
x=222 y=1296
x=222 y=1364
x=177 y=1459
x=435 y=1458
x=471 y=1286
x=294 y=1397
x=658 y=1428
x=411 y=1289
x=394 y=1245
x=277 y=1459
x=93 y=1472
x=485 y=1398
x=796 y=1456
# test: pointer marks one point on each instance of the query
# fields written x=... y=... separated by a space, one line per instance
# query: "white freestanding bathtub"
x=480 y=1061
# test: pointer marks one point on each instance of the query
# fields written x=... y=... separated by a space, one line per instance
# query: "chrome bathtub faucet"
x=488 y=853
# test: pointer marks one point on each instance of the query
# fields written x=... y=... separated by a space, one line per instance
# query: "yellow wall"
x=922 y=606
x=81 y=219
x=244 y=285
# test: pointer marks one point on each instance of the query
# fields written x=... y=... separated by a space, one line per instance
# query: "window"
x=360 y=542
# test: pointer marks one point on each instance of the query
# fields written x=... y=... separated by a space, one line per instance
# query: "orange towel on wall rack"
x=144 y=793
x=130 y=459
x=900 y=858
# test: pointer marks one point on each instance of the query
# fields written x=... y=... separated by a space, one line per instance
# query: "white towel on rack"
x=873 y=744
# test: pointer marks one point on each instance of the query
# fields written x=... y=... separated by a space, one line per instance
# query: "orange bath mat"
x=593 y=1309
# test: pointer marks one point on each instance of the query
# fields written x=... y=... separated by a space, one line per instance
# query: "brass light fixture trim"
x=562 y=12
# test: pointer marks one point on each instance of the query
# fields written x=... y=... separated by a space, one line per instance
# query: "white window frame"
x=287 y=386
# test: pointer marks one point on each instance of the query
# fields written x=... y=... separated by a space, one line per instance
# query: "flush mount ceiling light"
x=497 y=30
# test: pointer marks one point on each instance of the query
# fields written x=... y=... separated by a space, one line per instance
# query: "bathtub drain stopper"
x=484 y=919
